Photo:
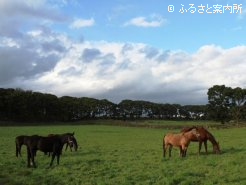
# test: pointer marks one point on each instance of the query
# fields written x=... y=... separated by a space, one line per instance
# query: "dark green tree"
x=238 y=96
x=219 y=99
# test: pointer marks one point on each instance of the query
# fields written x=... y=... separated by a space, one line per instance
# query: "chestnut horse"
x=181 y=140
x=204 y=136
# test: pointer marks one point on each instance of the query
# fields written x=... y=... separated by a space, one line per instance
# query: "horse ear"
x=73 y=133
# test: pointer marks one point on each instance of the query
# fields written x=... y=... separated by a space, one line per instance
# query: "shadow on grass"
x=232 y=150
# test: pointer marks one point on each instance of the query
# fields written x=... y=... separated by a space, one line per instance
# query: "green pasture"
x=124 y=155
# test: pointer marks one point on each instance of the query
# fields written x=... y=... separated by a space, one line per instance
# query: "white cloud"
x=152 y=21
x=42 y=60
x=79 y=23
x=8 y=42
x=118 y=73
x=35 y=57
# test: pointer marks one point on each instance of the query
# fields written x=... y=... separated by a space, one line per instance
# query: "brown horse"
x=181 y=140
x=204 y=136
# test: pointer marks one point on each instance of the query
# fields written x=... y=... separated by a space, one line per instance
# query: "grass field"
x=124 y=155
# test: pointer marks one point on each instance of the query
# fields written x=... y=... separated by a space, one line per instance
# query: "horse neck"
x=188 y=134
x=211 y=138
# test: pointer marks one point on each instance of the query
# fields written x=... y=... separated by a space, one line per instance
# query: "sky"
x=159 y=51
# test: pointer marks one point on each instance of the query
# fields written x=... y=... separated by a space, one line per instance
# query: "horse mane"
x=187 y=129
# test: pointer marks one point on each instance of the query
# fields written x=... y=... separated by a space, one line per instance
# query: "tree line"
x=224 y=105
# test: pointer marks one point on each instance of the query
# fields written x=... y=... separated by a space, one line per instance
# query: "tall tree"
x=219 y=100
x=238 y=96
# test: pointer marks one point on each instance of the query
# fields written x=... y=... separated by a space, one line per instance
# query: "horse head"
x=216 y=148
x=72 y=141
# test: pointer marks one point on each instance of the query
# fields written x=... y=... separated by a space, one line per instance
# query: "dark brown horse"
x=64 y=137
x=19 y=141
x=205 y=135
x=52 y=144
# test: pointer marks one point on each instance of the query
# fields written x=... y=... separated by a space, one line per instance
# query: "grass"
x=123 y=155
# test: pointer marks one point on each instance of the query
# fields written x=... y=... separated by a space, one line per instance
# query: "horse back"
x=173 y=139
x=50 y=144
x=203 y=133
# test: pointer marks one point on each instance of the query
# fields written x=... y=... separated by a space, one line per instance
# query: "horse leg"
x=180 y=151
x=28 y=157
x=200 y=146
x=33 y=153
x=206 y=146
x=58 y=158
x=185 y=151
x=66 y=147
x=165 y=149
x=19 y=150
x=170 y=150
x=16 y=149
x=52 y=159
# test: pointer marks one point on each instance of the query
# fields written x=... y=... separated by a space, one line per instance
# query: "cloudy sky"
x=160 y=51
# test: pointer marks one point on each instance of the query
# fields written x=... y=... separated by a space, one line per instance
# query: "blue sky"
x=122 y=49
x=187 y=31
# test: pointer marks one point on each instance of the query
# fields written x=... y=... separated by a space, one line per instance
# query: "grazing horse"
x=64 y=137
x=204 y=136
x=181 y=140
x=51 y=144
x=19 y=141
